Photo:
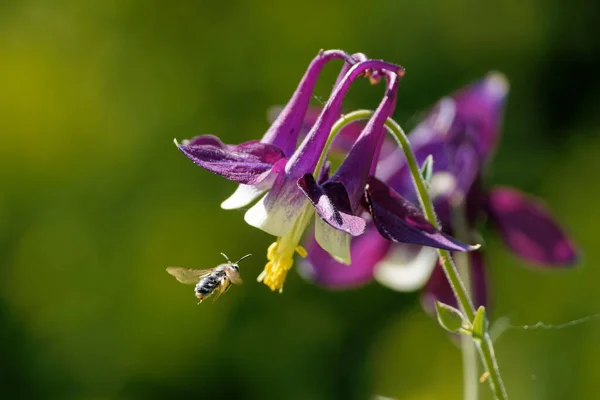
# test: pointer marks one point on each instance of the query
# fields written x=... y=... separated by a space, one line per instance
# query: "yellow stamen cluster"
x=281 y=253
x=281 y=260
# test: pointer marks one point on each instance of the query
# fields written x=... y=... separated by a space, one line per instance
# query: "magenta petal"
x=528 y=228
x=331 y=203
x=345 y=138
x=248 y=163
x=286 y=127
x=438 y=288
x=479 y=109
x=366 y=251
x=399 y=220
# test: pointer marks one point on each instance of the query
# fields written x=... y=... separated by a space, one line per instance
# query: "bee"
x=208 y=281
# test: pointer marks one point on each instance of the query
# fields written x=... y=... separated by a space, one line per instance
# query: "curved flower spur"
x=255 y=164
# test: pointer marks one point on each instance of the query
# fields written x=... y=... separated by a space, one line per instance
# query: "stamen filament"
x=281 y=253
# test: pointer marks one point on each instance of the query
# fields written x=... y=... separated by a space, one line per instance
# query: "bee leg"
x=223 y=287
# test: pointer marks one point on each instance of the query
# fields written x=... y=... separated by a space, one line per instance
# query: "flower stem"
x=484 y=345
x=468 y=348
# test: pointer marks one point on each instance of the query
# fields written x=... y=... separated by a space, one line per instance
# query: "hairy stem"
x=467 y=346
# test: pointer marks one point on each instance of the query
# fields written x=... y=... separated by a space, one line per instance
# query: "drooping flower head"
x=297 y=185
x=285 y=210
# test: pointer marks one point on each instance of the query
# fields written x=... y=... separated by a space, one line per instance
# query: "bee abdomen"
x=208 y=284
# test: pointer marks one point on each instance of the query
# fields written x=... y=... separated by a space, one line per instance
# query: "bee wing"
x=189 y=276
x=234 y=276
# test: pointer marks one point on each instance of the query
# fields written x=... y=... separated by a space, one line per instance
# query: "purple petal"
x=461 y=132
x=276 y=213
x=528 y=228
x=345 y=138
x=332 y=204
x=305 y=158
x=286 y=128
x=248 y=163
x=479 y=110
x=438 y=288
x=366 y=251
x=362 y=158
x=400 y=221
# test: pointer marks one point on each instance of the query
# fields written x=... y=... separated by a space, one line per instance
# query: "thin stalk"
x=485 y=346
x=467 y=347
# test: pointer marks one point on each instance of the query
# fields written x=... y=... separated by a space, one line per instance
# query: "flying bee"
x=208 y=281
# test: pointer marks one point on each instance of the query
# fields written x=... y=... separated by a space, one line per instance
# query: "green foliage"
x=450 y=318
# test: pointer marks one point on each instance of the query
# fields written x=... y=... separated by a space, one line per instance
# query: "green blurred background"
x=95 y=200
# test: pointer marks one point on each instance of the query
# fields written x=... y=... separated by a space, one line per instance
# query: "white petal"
x=406 y=267
x=496 y=85
x=442 y=184
x=275 y=216
x=243 y=195
x=445 y=116
x=335 y=242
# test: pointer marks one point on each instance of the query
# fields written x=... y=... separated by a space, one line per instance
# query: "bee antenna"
x=246 y=256
x=227 y=258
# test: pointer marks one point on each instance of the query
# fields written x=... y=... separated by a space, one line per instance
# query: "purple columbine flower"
x=285 y=210
x=256 y=164
x=294 y=194
x=461 y=133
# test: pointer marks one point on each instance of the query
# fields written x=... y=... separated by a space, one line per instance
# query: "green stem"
x=488 y=356
x=485 y=346
x=468 y=348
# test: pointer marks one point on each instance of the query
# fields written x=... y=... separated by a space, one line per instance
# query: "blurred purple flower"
x=461 y=132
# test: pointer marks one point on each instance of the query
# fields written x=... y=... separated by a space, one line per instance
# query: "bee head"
x=235 y=264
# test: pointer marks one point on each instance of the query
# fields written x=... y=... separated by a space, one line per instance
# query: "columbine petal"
x=400 y=221
x=312 y=113
x=248 y=163
x=364 y=154
x=343 y=141
x=528 y=228
x=332 y=204
x=246 y=194
x=288 y=124
x=479 y=111
x=337 y=243
x=438 y=288
x=365 y=250
x=277 y=211
x=406 y=267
